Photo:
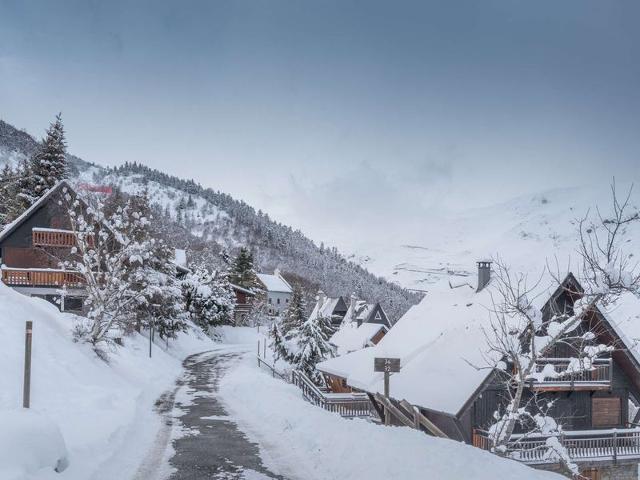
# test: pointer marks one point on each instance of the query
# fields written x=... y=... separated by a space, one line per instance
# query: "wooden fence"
x=346 y=404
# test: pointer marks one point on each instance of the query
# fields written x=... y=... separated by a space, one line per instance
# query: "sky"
x=340 y=118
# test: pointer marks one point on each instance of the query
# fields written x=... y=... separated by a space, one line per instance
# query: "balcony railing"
x=556 y=375
x=47 y=237
x=37 y=277
x=582 y=446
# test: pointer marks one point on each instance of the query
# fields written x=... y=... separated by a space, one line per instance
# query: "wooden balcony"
x=36 y=277
x=582 y=446
x=47 y=237
x=557 y=377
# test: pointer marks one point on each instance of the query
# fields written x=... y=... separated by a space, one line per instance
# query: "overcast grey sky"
x=334 y=116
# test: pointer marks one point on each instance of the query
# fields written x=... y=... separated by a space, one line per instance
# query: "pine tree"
x=209 y=298
x=313 y=347
x=242 y=271
x=294 y=316
x=278 y=344
x=49 y=162
x=24 y=188
x=7 y=194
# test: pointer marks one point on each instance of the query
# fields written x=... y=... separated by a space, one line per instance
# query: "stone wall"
x=628 y=471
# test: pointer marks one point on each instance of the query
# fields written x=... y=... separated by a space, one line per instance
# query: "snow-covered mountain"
x=527 y=232
x=207 y=222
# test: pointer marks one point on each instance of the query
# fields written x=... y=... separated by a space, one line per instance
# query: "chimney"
x=484 y=273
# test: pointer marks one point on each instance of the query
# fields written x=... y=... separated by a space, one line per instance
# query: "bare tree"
x=521 y=337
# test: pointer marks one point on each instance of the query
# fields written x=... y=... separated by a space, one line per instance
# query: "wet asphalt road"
x=213 y=447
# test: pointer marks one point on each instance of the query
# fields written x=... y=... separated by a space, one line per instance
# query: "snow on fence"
x=346 y=404
x=614 y=444
x=560 y=375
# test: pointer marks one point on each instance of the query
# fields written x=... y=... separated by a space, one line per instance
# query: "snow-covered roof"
x=439 y=341
x=275 y=283
x=10 y=227
x=351 y=337
x=624 y=316
x=324 y=309
x=242 y=289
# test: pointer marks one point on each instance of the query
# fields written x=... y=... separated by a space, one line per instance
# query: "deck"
x=611 y=445
x=41 y=277
x=559 y=378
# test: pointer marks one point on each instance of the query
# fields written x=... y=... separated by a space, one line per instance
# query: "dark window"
x=73 y=304
x=278 y=301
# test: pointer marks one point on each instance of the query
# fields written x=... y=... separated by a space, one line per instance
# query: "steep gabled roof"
x=327 y=308
x=351 y=337
x=275 y=283
x=40 y=202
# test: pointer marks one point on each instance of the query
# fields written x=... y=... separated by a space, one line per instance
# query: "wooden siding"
x=606 y=412
x=41 y=278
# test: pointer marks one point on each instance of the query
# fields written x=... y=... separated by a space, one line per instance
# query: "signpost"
x=386 y=366
x=26 y=393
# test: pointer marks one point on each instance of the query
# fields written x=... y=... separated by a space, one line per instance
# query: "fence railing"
x=598 y=375
x=36 y=277
x=274 y=372
x=44 y=237
x=613 y=444
x=346 y=404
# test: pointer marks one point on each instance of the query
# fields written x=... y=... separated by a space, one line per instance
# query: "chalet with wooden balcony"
x=33 y=246
x=445 y=379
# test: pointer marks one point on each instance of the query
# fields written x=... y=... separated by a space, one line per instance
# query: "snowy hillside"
x=99 y=409
x=525 y=232
x=208 y=222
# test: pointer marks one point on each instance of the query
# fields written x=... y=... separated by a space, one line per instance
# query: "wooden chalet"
x=333 y=308
x=33 y=246
x=440 y=341
x=244 y=299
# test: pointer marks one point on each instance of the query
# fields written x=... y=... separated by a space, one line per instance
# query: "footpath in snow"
x=99 y=416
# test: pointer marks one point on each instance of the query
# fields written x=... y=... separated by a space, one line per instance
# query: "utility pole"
x=26 y=393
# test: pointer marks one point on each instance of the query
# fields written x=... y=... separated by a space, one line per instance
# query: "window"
x=378 y=316
x=278 y=301
x=286 y=300
x=270 y=300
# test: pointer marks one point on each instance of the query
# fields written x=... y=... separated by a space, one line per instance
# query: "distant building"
x=278 y=292
x=334 y=308
x=244 y=304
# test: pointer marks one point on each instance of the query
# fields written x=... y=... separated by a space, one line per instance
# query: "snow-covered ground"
x=303 y=441
x=93 y=410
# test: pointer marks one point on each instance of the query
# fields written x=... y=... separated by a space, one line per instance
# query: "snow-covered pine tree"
x=243 y=271
x=209 y=298
x=278 y=344
x=48 y=164
x=7 y=193
x=294 y=316
x=313 y=347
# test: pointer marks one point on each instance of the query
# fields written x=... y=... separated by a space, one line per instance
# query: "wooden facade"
x=33 y=248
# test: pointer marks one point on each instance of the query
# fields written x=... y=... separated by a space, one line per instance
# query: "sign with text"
x=387 y=365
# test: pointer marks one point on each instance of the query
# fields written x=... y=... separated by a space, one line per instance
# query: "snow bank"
x=29 y=442
x=101 y=409
x=322 y=445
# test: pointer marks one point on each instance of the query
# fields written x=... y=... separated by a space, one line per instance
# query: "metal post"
x=264 y=348
x=26 y=393
x=150 y=339
x=387 y=413
x=615 y=446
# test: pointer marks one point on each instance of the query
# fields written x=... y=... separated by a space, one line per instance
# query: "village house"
x=358 y=326
x=244 y=303
x=33 y=246
x=278 y=292
x=445 y=376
